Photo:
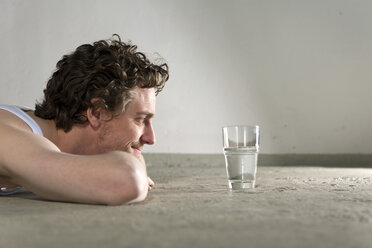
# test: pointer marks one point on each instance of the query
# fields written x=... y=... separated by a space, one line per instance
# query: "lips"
x=137 y=150
x=137 y=145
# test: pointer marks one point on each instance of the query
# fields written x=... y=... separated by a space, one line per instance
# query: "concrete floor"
x=191 y=206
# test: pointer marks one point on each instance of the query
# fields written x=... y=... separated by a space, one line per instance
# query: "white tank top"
x=24 y=116
x=35 y=128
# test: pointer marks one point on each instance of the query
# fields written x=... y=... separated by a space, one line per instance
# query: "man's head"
x=128 y=131
x=103 y=75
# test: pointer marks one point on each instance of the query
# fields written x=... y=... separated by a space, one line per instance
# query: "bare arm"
x=38 y=165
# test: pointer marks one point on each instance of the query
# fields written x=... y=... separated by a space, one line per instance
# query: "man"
x=83 y=142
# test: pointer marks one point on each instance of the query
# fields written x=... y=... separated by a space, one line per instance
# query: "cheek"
x=136 y=134
x=132 y=134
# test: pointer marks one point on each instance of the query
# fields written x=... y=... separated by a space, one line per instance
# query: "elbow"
x=129 y=189
x=136 y=190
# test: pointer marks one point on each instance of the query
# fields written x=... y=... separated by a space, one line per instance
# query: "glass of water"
x=241 y=146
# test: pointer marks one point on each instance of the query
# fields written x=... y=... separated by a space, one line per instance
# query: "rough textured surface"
x=191 y=206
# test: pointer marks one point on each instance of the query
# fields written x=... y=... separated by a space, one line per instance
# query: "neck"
x=78 y=140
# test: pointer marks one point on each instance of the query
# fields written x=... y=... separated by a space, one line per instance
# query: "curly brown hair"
x=108 y=70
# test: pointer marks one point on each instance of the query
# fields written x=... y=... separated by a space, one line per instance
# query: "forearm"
x=112 y=178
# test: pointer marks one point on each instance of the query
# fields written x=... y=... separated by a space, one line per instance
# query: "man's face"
x=133 y=128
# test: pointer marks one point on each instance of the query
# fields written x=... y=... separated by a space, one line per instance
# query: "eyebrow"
x=147 y=114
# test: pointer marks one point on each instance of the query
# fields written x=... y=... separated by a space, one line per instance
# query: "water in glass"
x=241 y=166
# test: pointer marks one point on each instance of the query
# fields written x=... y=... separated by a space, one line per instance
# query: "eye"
x=140 y=120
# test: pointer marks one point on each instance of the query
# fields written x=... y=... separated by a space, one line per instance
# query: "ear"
x=97 y=115
x=94 y=117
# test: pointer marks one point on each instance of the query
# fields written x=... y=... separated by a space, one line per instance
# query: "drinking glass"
x=241 y=146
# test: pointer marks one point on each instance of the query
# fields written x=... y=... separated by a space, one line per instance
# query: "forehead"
x=144 y=100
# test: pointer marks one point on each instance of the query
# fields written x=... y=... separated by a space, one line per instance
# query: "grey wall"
x=299 y=69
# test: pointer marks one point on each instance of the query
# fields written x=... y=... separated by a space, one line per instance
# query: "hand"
x=151 y=183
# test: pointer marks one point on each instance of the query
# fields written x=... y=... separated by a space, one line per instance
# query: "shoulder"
x=8 y=119
x=19 y=146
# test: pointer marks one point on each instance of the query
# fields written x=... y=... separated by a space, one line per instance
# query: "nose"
x=148 y=136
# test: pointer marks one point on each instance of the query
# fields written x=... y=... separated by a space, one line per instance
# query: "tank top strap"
x=24 y=116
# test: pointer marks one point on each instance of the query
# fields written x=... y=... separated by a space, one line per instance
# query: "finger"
x=151 y=183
